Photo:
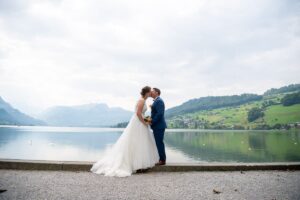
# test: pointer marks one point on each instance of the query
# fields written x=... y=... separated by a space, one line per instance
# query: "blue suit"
x=158 y=126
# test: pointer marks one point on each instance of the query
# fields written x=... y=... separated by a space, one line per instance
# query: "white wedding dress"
x=135 y=149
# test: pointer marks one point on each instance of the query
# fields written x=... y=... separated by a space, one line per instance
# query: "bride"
x=135 y=149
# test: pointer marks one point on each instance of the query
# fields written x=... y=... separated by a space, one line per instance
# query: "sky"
x=72 y=52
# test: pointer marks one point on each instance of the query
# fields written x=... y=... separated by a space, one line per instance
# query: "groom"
x=158 y=124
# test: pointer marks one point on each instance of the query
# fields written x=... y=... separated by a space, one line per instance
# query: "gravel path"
x=152 y=185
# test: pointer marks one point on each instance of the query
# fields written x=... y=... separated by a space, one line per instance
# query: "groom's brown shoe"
x=161 y=163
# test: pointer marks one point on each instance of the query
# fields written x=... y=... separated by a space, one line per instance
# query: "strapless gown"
x=135 y=149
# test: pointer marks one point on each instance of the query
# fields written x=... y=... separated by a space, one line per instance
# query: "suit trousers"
x=159 y=139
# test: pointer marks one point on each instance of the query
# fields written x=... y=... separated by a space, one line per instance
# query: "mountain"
x=285 y=89
x=99 y=115
x=277 y=108
x=12 y=116
x=211 y=102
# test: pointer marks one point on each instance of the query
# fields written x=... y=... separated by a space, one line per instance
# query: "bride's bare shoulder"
x=141 y=100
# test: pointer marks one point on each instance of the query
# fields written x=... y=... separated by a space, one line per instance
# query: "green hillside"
x=269 y=112
x=212 y=102
x=282 y=114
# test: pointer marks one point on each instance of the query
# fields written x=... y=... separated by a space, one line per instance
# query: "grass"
x=238 y=115
x=282 y=114
x=226 y=116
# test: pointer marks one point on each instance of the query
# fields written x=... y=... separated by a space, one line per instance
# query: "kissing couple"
x=141 y=144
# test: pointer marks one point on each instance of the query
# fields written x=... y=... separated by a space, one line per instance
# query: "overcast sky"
x=69 y=52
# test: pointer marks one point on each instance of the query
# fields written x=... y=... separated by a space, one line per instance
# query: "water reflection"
x=48 y=143
x=237 y=146
x=88 y=144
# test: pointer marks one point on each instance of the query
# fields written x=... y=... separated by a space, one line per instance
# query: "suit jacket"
x=158 y=114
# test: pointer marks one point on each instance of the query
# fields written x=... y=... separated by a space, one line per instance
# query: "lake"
x=184 y=146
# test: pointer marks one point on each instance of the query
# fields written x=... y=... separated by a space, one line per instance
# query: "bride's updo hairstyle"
x=145 y=90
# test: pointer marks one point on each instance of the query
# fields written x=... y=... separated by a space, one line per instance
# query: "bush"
x=277 y=126
x=268 y=103
x=255 y=113
x=238 y=127
x=262 y=127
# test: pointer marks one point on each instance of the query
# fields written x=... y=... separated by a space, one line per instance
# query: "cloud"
x=67 y=52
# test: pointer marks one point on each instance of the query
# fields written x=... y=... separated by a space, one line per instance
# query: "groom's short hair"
x=157 y=90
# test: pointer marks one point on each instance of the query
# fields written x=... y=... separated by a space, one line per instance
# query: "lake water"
x=88 y=144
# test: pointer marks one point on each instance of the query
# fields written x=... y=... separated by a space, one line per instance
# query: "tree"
x=268 y=103
x=291 y=99
x=289 y=88
x=255 y=113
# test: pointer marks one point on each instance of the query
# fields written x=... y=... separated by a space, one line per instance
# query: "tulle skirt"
x=135 y=149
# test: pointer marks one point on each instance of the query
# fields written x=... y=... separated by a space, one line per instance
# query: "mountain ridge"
x=101 y=115
x=214 y=102
x=277 y=108
x=11 y=116
x=94 y=114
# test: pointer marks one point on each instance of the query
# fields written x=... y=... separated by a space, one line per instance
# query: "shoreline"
x=167 y=130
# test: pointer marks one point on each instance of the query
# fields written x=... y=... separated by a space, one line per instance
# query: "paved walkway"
x=152 y=185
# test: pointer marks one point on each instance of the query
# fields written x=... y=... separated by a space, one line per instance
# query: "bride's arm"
x=140 y=110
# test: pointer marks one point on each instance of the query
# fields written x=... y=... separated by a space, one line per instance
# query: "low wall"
x=170 y=167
